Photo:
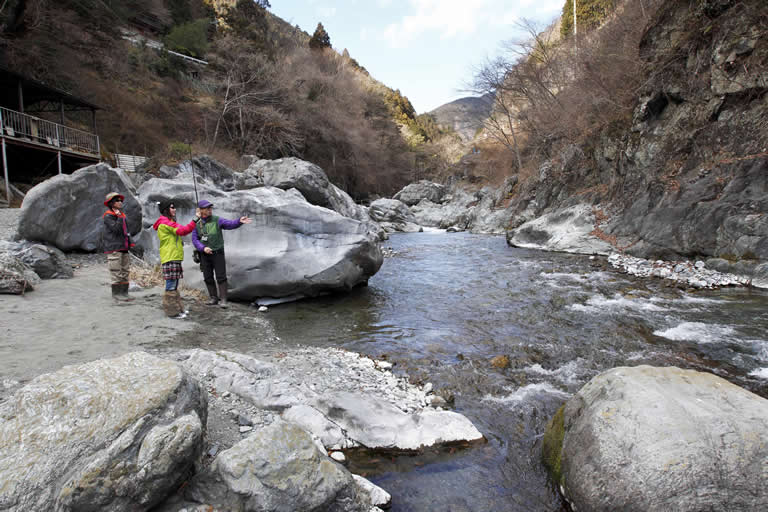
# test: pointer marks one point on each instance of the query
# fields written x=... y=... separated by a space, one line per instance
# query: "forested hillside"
x=269 y=89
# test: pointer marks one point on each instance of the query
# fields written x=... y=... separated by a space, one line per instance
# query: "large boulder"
x=65 y=210
x=569 y=229
x=291 y=250
x=47 y=262
x=350 y=402
x=393 y=215
x=415 y=192
x=205 y=170
x=656 y=439
x=310 y=180
x=117 y=434
x=279 y=469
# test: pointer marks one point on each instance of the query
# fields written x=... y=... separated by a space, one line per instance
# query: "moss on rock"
x=552 y=445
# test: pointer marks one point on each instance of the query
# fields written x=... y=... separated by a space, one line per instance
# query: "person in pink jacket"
x=172 y=254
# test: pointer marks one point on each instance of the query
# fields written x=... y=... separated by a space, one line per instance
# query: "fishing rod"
x=194 y=178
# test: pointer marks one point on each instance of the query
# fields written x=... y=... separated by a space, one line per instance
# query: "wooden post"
x=58 y=154
x=5 y=170
x=21 y=98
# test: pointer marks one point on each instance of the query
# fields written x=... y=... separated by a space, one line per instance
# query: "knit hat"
x=112 y=196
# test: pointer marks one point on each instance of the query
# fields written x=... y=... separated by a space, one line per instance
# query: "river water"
x=444 y=304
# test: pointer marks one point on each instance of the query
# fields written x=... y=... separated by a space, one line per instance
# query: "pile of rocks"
x=692 y=274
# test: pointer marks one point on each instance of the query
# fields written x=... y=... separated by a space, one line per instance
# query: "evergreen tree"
x=589 y=14
x=320 y=39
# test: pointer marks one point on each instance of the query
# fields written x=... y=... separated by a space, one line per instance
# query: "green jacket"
x=170 y=233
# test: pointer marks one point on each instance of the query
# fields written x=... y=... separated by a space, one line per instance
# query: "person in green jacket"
x=171 y=255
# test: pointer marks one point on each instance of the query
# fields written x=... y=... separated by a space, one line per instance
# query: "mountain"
x=464 y=116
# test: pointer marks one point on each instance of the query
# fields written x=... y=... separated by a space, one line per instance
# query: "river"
x=443 y=305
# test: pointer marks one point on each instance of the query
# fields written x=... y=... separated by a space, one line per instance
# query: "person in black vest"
x=208 y=239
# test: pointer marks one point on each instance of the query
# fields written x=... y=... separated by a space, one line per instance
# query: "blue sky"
x=425 y=48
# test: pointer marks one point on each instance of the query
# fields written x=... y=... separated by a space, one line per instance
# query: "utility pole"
x=575 y=26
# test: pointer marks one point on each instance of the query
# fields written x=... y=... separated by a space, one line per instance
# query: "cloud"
x=326 y=12
x=459 y=18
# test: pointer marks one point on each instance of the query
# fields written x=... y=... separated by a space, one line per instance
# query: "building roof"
x=35 y=92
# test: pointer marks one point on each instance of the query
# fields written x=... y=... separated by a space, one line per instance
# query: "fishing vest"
x=209 y=233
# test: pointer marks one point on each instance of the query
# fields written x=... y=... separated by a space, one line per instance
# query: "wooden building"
x=34 y=147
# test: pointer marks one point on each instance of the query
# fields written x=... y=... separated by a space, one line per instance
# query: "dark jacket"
x=115 y=236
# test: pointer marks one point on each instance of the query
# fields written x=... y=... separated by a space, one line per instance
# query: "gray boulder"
x=659 y=439
x=291 y=250
x=117 y=434
x=47 y=262
x=310 y=180
x=15 y=276
x=415 y=192
x=393 y=215
x=205 y=169
x=566 y=230
x=65 y=210
x=279 y=469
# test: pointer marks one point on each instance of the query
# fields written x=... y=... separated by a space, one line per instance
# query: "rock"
x=379 y=497
x=46 y=261
x=658 y=439
x=567 y=230
x=15 y=276
x=291 y=250
x=117 y=434
x=65 y=210
x=206 y=170
x=500 y=362
x=278 y=470
x=415 y=192
x=338 y=457
x=393 y=215
x=377 y=424
x=311 y=181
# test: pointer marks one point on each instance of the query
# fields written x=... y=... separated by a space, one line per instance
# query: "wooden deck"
x=24 y=129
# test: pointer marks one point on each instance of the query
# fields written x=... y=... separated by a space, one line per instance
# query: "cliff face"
x=689 y=177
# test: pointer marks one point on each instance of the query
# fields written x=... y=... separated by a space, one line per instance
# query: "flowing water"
x=444 y=304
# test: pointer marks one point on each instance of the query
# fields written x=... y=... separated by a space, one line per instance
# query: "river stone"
x=378 y=424
x=277 y=469
x=291 y=250
x=15 y=276
x=413 y=193
x=115 y=434
x=658 y=439
x=46 y=261
x=393 y=215
x=379 y=497
x=565 y=230
x=65 y=210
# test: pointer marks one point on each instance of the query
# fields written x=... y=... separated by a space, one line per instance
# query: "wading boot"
x=213 y=294
x=171 y=305
x=119 y=294
x=180 y=304
x=124 y=292
x=223 y=295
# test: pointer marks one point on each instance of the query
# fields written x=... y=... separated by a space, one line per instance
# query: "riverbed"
x=441 y=307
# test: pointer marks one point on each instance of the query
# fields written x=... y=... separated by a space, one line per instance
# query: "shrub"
x=189 y=38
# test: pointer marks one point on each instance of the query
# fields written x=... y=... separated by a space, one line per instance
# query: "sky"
x=426 y=48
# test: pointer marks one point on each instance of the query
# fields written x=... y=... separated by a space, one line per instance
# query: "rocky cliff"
x=688 y=175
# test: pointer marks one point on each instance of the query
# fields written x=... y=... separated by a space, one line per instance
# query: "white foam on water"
x=697 y=331
x=525 y=393
x=567 y=374
x=601 y=304
x=760 y=373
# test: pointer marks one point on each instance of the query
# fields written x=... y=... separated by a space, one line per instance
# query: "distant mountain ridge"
x=464 y=115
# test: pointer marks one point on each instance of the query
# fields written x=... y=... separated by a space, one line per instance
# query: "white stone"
x=338 y=456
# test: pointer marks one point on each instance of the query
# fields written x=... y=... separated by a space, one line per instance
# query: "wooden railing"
x=39 y=131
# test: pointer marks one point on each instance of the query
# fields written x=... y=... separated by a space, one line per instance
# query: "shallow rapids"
x=444 y=304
